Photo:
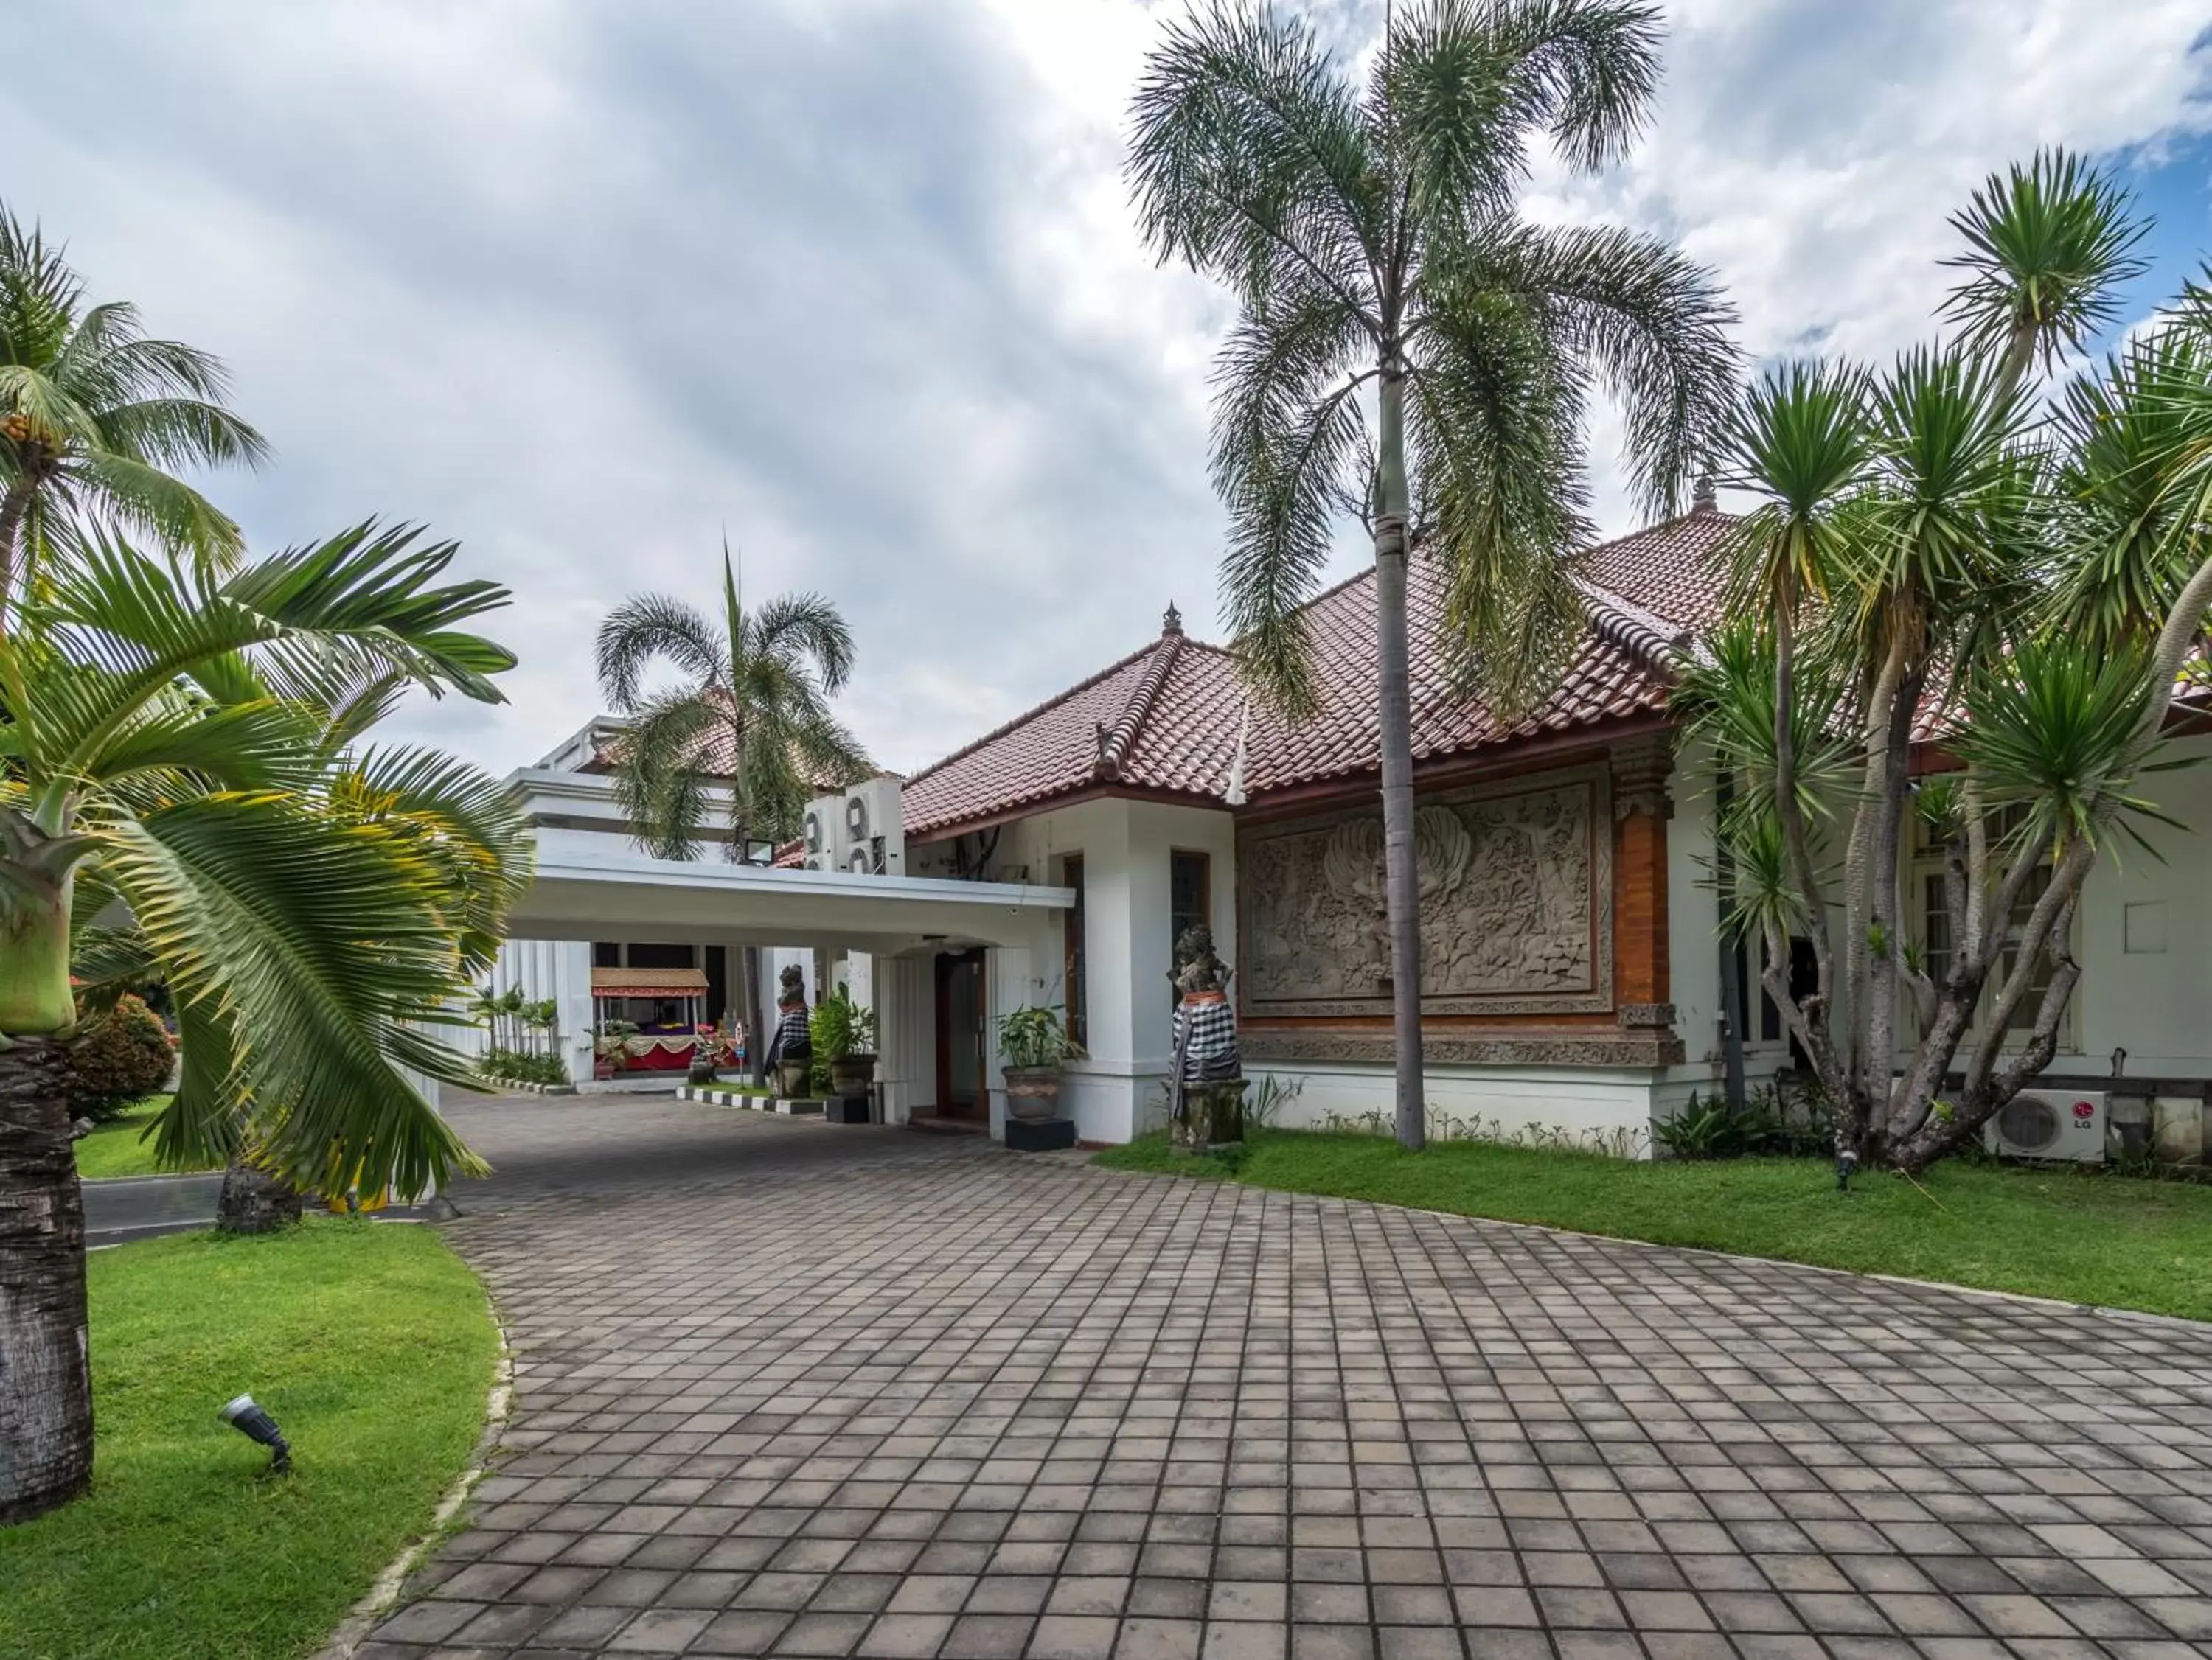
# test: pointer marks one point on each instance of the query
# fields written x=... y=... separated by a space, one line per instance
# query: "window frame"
x=1074 y=961
x=1924 y=897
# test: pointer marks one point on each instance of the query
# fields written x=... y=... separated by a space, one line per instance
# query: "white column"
x=1007 y=985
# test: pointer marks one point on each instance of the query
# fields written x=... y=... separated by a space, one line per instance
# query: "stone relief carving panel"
x=1516 y=914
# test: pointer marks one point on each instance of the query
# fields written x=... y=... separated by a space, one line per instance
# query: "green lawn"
x=114 y=1149
x=372 y=1347
x=2081 y=1236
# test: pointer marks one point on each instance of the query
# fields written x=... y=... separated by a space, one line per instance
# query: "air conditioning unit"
x=822 y=830
x=2050 y=1123
x=872 y=834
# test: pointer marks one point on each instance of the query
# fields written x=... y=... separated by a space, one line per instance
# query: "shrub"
x=1772 y=1120
x=522 y=1066
x=121 y=1057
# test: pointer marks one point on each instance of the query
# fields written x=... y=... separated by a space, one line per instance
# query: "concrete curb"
x=381 y=1596
x=712 y=1097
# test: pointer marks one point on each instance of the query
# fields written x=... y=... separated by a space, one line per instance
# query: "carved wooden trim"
x=1642 y=768
x=1637 y=1049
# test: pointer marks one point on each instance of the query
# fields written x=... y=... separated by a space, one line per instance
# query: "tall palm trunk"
x=46 y=1381
x=14 y=508
x=1400 y=866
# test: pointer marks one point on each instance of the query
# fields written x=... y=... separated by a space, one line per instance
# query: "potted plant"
x=845 y=1036
x=1033 y=1042
x=703 y=1068
x=611 y=1049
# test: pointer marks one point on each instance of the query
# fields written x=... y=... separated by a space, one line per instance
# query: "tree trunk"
x=255 y=1201
x=45 y=1377
x=13 y=507
x=1402 y=870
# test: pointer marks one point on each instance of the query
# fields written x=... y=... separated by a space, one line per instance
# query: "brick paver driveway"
x=795 y=1389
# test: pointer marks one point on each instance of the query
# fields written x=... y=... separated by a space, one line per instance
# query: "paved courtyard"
x=786 y=1388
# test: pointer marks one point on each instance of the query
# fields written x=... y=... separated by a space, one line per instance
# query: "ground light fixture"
x=254 y=1422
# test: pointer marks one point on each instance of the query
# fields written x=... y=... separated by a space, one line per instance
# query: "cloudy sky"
x=581 y=283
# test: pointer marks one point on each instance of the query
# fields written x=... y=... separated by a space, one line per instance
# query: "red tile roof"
x=1168 y=718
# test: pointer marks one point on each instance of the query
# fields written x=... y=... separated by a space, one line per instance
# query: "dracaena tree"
x=185 y=796
x=1411 y=349
x=1943 y=565
x=96 y=418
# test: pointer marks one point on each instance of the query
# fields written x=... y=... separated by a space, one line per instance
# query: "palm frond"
x=799 y=630
x=321 y=947
x=1586 y=72
x=1281 y=500
x=182 y=432
x=132 y=493
x=372 y=594
x=1248 y=157
x=457 y=817
x=1494 y=422
x=663 y=774
x=1649 y=325
x=651 y=627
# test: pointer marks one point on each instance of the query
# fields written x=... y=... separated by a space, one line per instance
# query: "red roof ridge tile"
x=1114 y=741
x=1028 y=715
x=1657 y=643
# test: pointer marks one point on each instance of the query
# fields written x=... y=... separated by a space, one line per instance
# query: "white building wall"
x=559 y=969
x=906 y=1035
x=1126 y=847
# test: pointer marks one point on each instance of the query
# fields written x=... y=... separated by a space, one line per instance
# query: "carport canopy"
x=592 y=895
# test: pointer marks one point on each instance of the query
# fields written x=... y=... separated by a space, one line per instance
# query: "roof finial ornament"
x=1702 y=500
x=1172 y=622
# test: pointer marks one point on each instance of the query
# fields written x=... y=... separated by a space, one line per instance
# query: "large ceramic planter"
x=850 y=1075
x=1032 y=1091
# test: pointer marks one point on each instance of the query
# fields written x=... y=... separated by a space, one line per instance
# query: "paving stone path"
x=790 y=1388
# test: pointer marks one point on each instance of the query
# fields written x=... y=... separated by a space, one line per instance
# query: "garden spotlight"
x=1846 y=1162
x=254 y=1423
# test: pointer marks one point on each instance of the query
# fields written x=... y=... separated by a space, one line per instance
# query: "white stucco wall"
x=1126 y=847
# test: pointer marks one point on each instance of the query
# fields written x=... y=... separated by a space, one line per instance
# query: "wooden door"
x=962 y=1083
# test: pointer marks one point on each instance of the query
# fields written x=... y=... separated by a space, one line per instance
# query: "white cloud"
x=580 y=285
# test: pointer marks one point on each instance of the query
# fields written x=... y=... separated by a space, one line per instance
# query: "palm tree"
x=182 y=754
x=750 y=718
x=95 y=417
x=1373 y=239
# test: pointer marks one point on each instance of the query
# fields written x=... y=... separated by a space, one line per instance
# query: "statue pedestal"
x=1212 y=1115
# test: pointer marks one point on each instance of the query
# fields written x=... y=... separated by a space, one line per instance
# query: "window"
x=606 y=953
x=1190 y=897
x=1935 y=923
x=661 y=956
x=1071 y=875
x=1190 y=882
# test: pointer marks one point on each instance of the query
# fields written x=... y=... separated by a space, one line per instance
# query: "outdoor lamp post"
x=254 y=1423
